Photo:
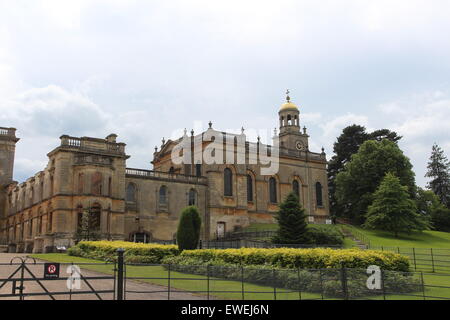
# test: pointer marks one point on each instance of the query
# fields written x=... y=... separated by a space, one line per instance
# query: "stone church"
x=90 y=174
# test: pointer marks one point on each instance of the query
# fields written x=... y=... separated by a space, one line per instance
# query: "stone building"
x=90 y=175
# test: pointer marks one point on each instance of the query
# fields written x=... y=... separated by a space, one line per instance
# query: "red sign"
x=51 y=270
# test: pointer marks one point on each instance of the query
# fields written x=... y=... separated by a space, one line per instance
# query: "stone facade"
x=90 y=174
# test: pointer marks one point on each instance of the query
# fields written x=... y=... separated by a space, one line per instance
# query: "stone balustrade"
x=158 y=175
x=92 y=144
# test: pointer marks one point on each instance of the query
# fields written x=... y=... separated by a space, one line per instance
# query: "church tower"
x=290 y=135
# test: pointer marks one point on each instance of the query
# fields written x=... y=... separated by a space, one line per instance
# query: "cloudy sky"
x=147 y=69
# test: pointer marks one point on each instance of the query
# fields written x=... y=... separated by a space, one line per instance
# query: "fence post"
x=414 y=256
x=382 y=284
x=120 y=263
x=432 y=259
x=242 y=282
x=168 y=282
x=344 y=282
x=274 y=285
x=22 y=275
x=207 y=279
x=321 y=283
x=423 y=285
x=299 y=285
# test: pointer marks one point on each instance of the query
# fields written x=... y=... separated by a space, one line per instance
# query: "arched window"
x=80 y=216
x=131 y=192
x=50 y=219
x=296 y=188
x=192 y=197
x=95 y=217
x=172 y=170
x=163 y=195
x=319 y=194
x=97 y=184
x=30 y=225
x=228 y=182
x=81 y=183
x=249 y=188
x=273 y=190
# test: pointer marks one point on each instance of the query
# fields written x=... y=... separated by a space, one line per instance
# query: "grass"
x=435 y=284
x=425 y=239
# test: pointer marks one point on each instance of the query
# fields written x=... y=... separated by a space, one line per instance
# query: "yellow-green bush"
x=317 y=258
x=134 y=252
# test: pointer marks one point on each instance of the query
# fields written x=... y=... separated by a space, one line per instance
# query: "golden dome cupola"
x=289 y=116
x=288 y=105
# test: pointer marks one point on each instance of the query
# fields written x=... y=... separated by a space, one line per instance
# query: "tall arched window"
x=97 y=184
x=249 y=188
x=81 y=183
x=319 y=194
x=95 y=217
x=131 y=192
x=192 y=197
x=296 y=188
x=273 y=190
x=228 y=182
x=80 y=216
x=163 y=195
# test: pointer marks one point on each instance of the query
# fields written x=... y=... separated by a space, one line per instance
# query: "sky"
x=148 y=69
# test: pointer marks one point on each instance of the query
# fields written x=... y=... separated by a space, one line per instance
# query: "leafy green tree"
x=430 y=206
x=347 y=144
x=393 y=209
x=361 y=176
x=292 y=223
x=440 y=218
x=426 y=201
x=188 y=233
x=439 y=172
x=382 y=134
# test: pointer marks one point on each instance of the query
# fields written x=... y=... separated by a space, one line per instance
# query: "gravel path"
x=54 y=286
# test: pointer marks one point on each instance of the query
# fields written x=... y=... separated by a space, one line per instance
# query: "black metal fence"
x=28 y=278
x=423 y=259
x=242 y=283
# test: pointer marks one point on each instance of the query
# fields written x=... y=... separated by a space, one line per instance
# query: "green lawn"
x=190 y=282
x=425 y=239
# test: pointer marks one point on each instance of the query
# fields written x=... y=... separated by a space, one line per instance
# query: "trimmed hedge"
x=134 y=252
x=328 y=281
x=317 y=258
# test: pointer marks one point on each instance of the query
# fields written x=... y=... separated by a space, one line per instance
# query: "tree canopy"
x=361 y=176
x=347 y=144
x=393 y=209
x=439 y=172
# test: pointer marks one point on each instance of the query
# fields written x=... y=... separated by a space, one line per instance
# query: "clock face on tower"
x=299 y=145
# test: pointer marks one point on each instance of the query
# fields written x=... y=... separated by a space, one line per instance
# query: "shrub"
x=323 y=234
x=188 y=233
x=135 y=252
x=318 y=258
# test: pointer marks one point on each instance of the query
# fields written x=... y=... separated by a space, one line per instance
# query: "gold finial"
x=288 y=99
